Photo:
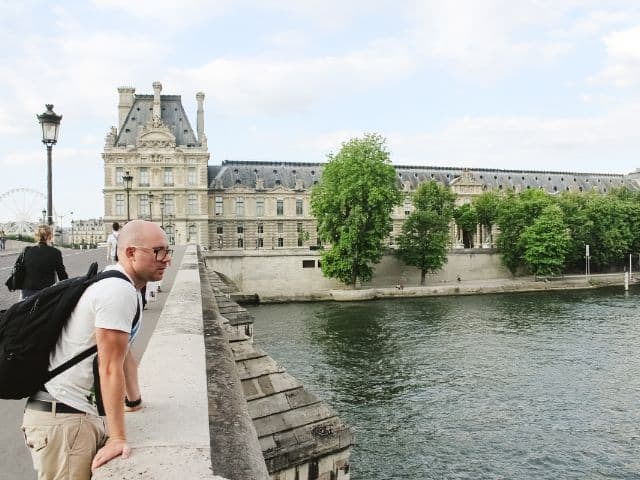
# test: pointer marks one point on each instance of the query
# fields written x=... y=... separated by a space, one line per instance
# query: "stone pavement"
x=477 y=287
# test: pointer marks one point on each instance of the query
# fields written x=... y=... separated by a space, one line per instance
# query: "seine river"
x=513 y=386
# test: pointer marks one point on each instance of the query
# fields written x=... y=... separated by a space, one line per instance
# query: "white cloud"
x=168 y=13
x=623 y=62
x=596 y=22
x=261 y=85
x=508 y=142
x=482 y=41
x=290 y=39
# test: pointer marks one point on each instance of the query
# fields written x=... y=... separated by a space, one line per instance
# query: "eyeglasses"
x=161 y=253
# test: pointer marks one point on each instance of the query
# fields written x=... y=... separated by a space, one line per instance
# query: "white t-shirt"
x=113 y=245
x=110 y=303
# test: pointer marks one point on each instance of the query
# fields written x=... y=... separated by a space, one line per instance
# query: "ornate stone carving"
x=466 y=184
x=156 y=134
x=110 y=138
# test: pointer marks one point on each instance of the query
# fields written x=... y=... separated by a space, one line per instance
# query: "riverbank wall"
x=295 y=274
x=271 y=276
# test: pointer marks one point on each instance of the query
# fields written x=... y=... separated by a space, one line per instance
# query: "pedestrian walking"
x=112 y=243
x=42 y=263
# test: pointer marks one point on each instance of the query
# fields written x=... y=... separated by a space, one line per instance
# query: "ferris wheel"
x=21 y=210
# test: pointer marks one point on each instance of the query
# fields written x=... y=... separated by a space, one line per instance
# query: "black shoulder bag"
x=16 y=280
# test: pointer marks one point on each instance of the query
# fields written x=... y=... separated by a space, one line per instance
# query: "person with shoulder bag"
x=82 y=403
x=42 y=263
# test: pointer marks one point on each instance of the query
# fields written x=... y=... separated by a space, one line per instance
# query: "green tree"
x=467 y=219
x=546 y=243
x=611 y=236
x=515 y=213
x=352 y=204
x=424 y=240
x=580 y=225
x=486 y=207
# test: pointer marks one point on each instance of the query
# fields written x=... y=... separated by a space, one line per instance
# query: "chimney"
x=126 y=102
x=157 y=88
x=200 y=99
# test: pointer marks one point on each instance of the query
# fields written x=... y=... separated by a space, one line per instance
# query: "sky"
x=509 y=84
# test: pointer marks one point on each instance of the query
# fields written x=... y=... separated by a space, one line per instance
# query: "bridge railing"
x=194 y=423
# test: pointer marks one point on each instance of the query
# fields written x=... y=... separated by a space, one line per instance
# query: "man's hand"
x=111 y=450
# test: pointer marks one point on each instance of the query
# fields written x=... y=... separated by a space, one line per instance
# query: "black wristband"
x=132 y=403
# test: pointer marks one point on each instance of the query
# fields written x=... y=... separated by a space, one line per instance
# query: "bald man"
x=64 y=432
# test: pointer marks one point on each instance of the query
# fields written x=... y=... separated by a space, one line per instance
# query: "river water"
x=513 y=386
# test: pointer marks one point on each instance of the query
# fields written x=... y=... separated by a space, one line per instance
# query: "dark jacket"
x=41 y=263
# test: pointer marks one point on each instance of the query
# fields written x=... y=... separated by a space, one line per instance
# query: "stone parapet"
x=235 y=450
x=170 y=436
x=300 y=436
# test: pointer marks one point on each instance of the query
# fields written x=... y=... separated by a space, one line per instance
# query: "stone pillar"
x=157 y=88
x=200 y=124
x=479 y=239
x=126 y=102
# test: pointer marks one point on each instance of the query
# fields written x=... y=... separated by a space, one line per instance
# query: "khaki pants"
x=63 y=445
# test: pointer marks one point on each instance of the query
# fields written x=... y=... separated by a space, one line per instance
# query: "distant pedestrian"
x=42 y=263
x=112 y=243
x=3 y=240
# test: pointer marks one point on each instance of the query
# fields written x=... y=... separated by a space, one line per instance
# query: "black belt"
x=44 y=406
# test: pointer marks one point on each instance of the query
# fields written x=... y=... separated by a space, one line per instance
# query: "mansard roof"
x=496 y=179
x=294 y=176
x=172 y=113
x=289 y=175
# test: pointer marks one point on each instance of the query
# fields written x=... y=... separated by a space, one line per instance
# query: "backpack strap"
x=91 y=350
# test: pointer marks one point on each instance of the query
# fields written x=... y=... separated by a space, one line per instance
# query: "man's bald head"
x=141 y=233
x=138 y=245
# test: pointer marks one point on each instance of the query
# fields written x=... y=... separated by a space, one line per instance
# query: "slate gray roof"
x=235 y=172
x=172 y=113
x=551 y=182
x=286 y=174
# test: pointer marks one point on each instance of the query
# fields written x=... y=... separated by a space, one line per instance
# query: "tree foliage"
x=545 y=243
x=486 y=207
x=609 y=223
x=352 y=204
x=466 y=218
x=515 y=213
x=424 y=240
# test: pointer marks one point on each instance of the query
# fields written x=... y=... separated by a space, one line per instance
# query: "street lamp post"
x=127 y=179
x=61 y=228
x=71 y=213
x=161 y=213
x=44 y=216
x=151 y=206
x=50 y=123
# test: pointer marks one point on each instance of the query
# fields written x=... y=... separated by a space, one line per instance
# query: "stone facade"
x=266 y=205
x=155 y=144
x=87 y=232
x=243 y=205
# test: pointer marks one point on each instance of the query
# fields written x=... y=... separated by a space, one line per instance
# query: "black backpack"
x=30 y=329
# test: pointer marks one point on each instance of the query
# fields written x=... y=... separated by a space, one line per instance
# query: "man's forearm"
x=131 y=377
x=112 y=386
